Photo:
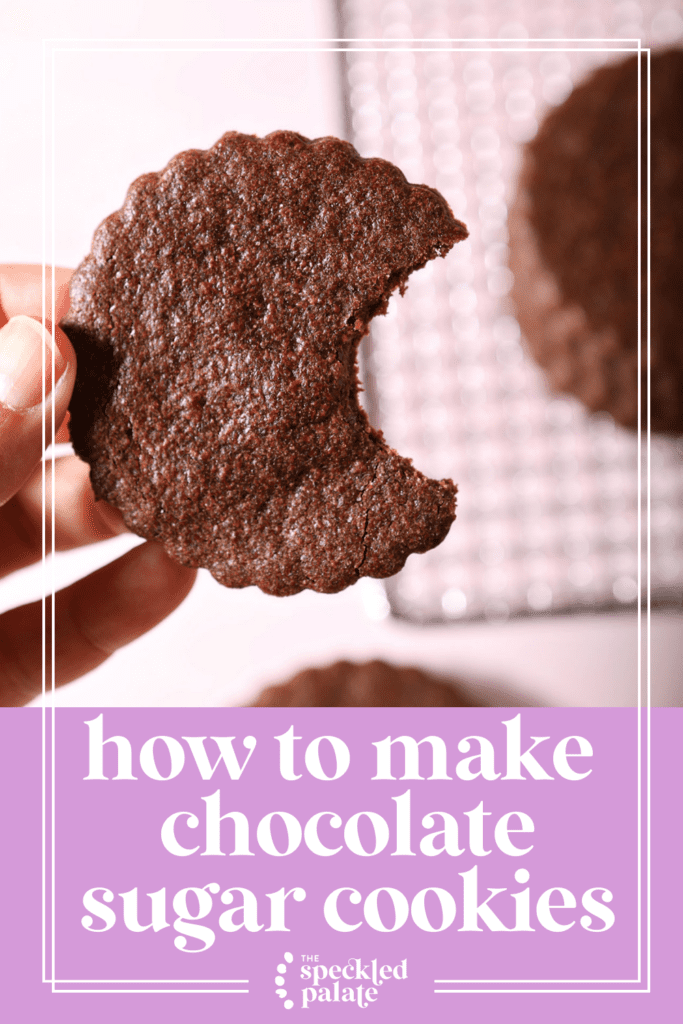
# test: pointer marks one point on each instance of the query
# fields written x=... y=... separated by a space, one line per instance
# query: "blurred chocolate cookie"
x=574 y=242
x=369 y=685
x=216 y=324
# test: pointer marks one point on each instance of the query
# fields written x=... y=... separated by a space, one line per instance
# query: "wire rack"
x=548 y=510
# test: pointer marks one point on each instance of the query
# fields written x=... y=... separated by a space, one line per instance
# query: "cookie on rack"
x=574 y=242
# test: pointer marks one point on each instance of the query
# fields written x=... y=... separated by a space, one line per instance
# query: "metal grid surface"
x=548 y=502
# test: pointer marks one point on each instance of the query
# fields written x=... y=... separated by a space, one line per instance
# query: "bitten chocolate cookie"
x=574 y=242
x=216 y=324
x=370 y=685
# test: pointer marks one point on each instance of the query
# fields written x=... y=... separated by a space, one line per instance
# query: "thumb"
x=31 y=366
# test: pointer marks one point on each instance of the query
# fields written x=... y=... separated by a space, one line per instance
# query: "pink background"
x=122 y=114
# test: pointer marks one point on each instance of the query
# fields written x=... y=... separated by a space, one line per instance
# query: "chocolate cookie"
x=216 y=324
x=370 y=685
x=574 y=242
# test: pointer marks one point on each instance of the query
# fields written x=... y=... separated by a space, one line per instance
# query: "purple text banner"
x=262 y=862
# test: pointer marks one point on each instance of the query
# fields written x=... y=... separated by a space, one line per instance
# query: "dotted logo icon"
x=280 y=981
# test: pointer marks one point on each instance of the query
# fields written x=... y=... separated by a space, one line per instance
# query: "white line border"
x=152 y=981
x=389 y=46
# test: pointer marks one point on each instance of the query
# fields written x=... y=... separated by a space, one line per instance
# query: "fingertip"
x=158 y=572
x=63 y=344
x=21 y=290
x=110 y=518
x=94 y=617
x=149 y=573
x=130 y=596
x=63 y=436
x=28 y=365
x=63 y=277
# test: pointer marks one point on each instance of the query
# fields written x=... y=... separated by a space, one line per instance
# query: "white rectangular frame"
x=54 y=46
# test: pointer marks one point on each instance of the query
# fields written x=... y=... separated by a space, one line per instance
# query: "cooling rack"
x=549 y=508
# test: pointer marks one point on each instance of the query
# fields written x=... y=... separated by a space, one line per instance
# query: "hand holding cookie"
x=114 y=605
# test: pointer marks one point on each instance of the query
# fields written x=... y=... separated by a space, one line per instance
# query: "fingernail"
x=22 y=341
